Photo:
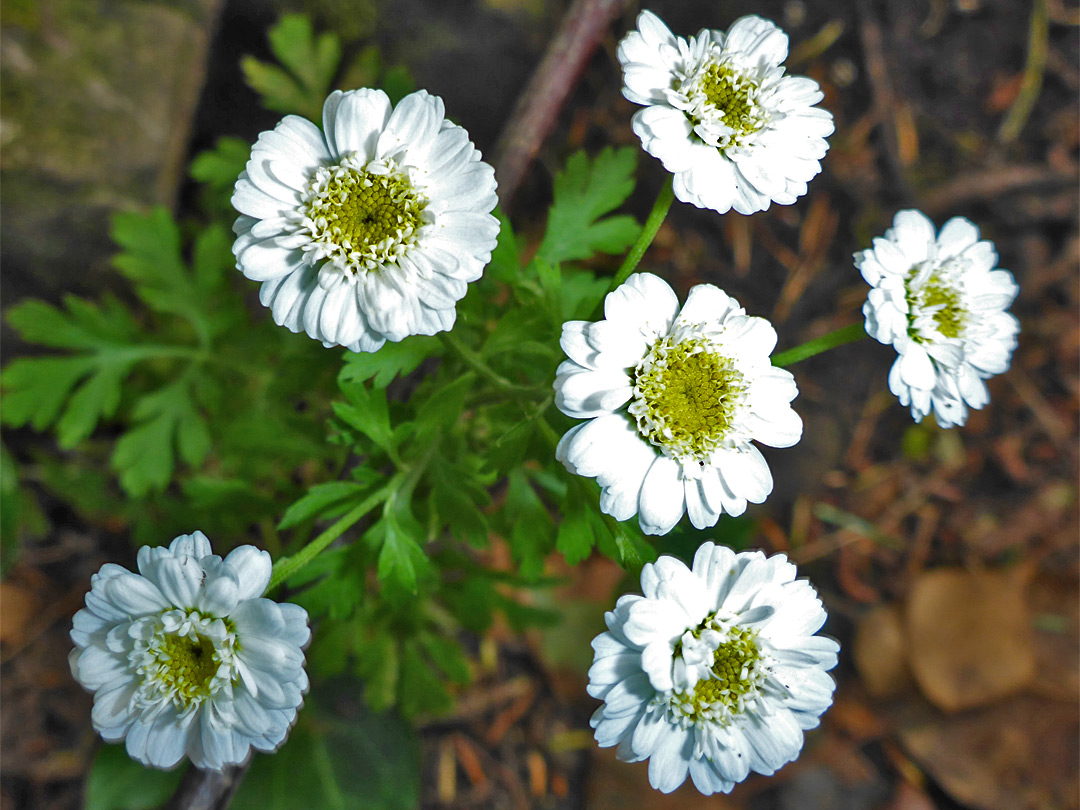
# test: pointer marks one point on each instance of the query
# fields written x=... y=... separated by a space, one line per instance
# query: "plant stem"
x=648 y=233
x=287 y=566
x=474 y=361
x=847 y=334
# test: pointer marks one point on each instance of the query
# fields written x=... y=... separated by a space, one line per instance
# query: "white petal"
x=662 y=501
x=670 y=762
x=252 y=567
x=359 y=119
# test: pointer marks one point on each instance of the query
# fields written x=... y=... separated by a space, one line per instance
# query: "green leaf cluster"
x=191 y=403
x=308 y=65
x=340 y=755
x=453 y=440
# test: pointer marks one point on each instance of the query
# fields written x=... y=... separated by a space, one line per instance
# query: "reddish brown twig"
x=538 y=106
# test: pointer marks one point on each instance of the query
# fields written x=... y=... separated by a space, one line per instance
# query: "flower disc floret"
x=369 y=229
x=734 y=680
x=675 y=399
x=714 y=671
x=686 y=398
x=362 y=218
x=185 y=665
x=186 y=658
x=939 y=299
x=720 y=114
x=722 y=94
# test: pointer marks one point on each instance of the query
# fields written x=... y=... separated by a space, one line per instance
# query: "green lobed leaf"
x=320 y=500
x=97 y=398
x=83 y=326
x=166 y=421
x=367 y=411
x=378 y=663
x=310 y=64
x=150 y=258
x=340 y=756
x=35 y=388
x=583 y=193
x=116 y=782
x=422 y=689
x=401 y=559
x=505 y=264
x=575 y=538
x=458 y=496
x=220 y=167
x=448 y=656
x=392 y=360
x=531 y=530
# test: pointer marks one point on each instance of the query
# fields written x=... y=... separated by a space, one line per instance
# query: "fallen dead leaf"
x=18 y=609
x=1055 y=608
x=1017 y=755
x=969 y=635
x=880 y=652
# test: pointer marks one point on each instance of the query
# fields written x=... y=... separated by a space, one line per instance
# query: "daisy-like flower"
x=371 y=229
x=721 y=115
x=941 y=303
x=673 y=398
x=186 y=658
x=715 y=671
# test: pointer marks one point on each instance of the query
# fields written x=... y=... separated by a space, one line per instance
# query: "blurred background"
x=948 y=559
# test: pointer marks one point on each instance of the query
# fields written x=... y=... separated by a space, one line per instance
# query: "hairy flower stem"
x=285 y=567
x=847 y=334
x=474 y=361
x=648 y=233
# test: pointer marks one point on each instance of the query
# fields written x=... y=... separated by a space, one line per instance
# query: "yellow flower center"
x=686 y=398
x=936 y=294
x=734 y=675
x=729 y=93
x=187 y=665
x=363 y=218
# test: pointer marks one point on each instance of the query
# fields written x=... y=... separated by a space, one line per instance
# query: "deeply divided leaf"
x=584 y=192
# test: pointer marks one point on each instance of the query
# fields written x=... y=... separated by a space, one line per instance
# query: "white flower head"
x=941 y=303
x=371 y=229
x=187 y=658
x=715 y=671
x=721 y=115
x=674 y=398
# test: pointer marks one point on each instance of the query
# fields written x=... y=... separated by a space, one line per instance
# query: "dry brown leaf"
x=1017 y=755
x=18 y=609
x=1055 y=607
x=969 y=636
x=881 y=653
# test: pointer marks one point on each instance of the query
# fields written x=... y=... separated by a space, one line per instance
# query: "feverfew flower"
x=721 y=115
x=941 y=304
x=673 y=398
x=186 y=658
x=371 y=229
x=715 y=671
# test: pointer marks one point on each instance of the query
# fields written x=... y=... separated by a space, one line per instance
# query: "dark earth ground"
x=904 y=531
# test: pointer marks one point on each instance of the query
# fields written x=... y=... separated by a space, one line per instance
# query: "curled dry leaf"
x=970 y=636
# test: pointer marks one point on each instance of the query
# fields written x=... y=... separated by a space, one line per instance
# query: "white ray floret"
x=715 y=671
x=721 y=115
x=941 y=302
x=674 y=398
x=371 y=229
x=186 y=658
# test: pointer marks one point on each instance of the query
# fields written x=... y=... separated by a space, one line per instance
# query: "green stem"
x=287 y=566
x=474 y=361
x=648 y=233
x=848 y=334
